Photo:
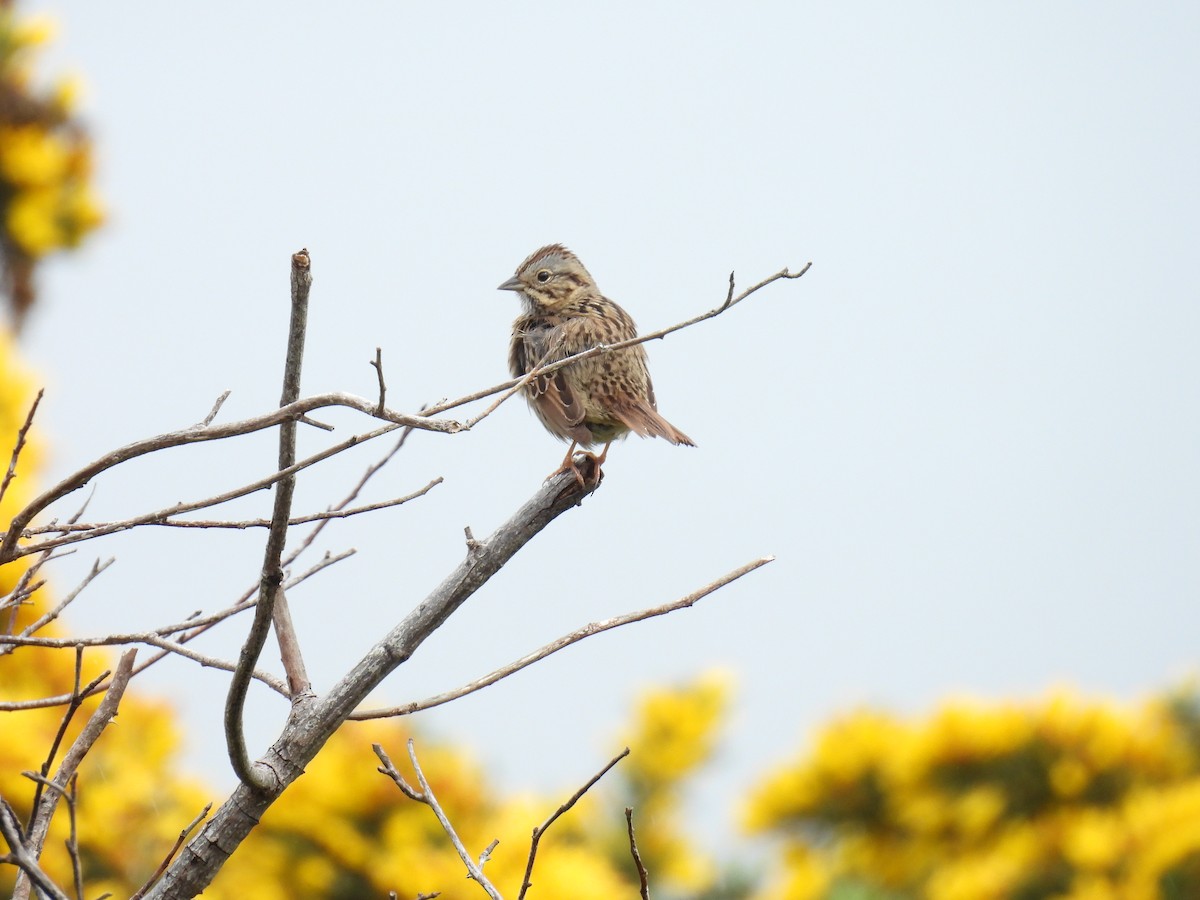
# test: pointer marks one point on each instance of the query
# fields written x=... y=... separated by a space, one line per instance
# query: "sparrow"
x=593 y=401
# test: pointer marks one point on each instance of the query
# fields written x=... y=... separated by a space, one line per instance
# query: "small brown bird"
x=593 y=401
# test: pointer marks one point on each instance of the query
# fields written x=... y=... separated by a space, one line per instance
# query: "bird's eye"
x=543 y=276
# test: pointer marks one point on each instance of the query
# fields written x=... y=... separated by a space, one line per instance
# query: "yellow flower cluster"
x=45 y=159
x=1057 y=799
x=47 y=202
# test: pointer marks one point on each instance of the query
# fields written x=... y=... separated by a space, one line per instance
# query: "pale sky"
x=970 y=434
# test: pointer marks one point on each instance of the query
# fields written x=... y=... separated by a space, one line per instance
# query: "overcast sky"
x=970 y=433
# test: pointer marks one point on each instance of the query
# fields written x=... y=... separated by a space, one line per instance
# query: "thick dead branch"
x=310 y=726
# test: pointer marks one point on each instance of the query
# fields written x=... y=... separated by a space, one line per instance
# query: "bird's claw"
x=590 y=461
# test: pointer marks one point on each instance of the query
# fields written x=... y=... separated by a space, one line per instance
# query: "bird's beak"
x=513 y=284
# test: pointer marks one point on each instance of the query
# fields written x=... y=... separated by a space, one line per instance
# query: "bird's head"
x=550 y=278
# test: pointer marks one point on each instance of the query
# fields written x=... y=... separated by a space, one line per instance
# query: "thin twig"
x=192 y=435
x=64 y=723
x=207 y=420
x=25 y=588
x=378 y=364
x=162 y=867
x=643 y=875
x=272 y=604
x=147 y=638
x=326 y=561
x=565 y=641
x=72 y=842
x=109 y=527
x=46 y=618
x=22 y=434
x=526 y=883
x=180 y=508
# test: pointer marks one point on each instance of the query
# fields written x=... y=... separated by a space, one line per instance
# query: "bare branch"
x=22 y=435
x=272 y=603
x=193 y=435
x=643 y=875
x=475 y=871
x=565 y=641
x=179 y=508
x=526 y=884
x=149 y=638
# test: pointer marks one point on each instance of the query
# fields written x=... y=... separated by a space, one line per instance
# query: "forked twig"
x=426 y=796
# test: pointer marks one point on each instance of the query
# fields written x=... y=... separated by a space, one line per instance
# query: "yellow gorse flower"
x=1064 y=797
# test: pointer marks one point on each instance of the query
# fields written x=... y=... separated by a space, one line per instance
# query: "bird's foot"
x=584 y=466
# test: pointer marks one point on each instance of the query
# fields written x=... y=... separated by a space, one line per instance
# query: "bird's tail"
x=643 y=419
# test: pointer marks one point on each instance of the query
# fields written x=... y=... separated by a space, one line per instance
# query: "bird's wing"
x=541 y=341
